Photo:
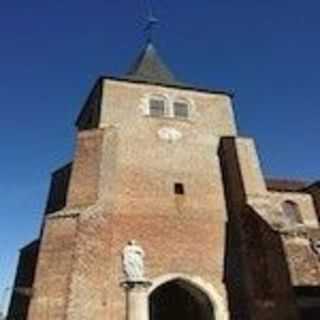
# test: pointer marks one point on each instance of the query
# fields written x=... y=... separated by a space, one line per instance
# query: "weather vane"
x=152 y=21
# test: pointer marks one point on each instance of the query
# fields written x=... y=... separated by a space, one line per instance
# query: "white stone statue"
x=132 y=261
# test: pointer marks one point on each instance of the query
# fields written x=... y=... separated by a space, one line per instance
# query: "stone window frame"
x=181 y=101
x=165 y=101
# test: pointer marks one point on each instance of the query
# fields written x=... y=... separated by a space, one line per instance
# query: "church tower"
x=163 y=213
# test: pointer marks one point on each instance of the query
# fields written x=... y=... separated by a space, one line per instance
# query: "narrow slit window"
x=179 y=188
x=157 y=107
x=181 y=110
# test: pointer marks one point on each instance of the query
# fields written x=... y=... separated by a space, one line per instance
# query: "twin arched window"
x=157 y=107
x=181 y=109
x=291 y=213
x=160 y=107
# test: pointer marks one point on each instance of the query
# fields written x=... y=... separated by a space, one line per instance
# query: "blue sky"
x=52 y=52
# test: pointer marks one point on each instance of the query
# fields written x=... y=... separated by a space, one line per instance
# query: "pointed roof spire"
x=149 y=67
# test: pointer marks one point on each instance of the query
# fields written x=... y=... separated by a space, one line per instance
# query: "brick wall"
x=264 y=282
x=83 y=189
x=121 y=187
x=54 y=269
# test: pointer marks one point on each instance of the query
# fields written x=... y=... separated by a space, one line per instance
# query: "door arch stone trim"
x=219 y=306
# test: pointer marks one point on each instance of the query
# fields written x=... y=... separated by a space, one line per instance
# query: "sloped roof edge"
x=181 y=86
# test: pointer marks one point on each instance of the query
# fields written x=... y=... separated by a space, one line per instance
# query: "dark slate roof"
x=286 y=185
x=150 y=68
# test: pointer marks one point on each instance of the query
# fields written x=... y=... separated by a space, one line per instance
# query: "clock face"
x=169 y=134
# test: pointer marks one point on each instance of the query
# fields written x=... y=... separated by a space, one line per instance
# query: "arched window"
x=181 y=109
x=158 y=106
x=291 y=213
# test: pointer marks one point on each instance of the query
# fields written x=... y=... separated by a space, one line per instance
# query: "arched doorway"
x=179 y=299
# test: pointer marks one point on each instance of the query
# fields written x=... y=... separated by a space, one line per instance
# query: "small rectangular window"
x=181 y=110
x=157 y=108
x=178 y=188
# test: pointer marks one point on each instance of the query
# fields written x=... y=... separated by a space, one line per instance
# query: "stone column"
x=137 y=299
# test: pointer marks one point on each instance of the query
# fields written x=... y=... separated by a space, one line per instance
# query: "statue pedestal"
x=137 y=299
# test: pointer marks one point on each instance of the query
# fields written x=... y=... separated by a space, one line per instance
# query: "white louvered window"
x=157 y=107
x=181 y=109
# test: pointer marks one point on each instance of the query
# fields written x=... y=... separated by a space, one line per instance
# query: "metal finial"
x=152 y=21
